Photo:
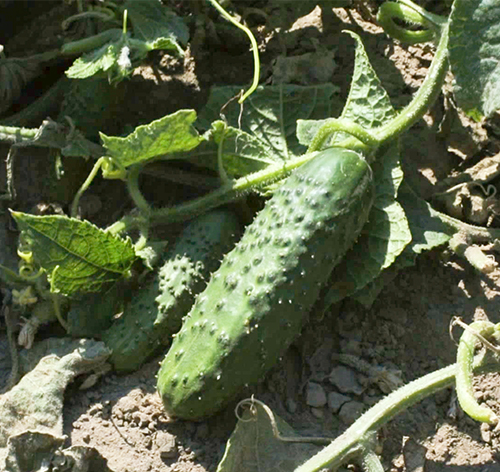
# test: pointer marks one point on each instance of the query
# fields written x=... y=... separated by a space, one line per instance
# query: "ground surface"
x=405 y=329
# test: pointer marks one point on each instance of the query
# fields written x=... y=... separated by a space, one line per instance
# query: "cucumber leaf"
x=474 y=50
x=242 y=153
x=168 y=135
x=154 y=27
x=387 y=232
x=270 y=114
x=16 y=73
x=157 y=25
x=78 y=256
x=253 y=446
x=429 y=230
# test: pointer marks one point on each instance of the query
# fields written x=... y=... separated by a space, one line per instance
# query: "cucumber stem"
x=360 y=434
x=334 y=125
x=465 y=358
x=423 y=99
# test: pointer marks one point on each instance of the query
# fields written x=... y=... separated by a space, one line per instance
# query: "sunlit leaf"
x=78 y=256
x=168 y=135
x=474 y=50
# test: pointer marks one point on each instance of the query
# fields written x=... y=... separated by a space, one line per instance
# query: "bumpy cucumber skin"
x=88 y=317
x=255 y=305
x=156 y=312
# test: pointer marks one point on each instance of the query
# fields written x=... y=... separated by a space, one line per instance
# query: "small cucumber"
x=156 y=312
x=255 y=305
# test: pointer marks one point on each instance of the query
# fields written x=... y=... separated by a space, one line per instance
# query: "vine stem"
x=358 y=439
x=334 y=125
x=407 y=11
x=424 y=98
x=255 y=49
x=465 y=358
x=74 y=205
x=224 y=194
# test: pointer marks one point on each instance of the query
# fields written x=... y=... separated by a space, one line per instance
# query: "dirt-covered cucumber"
x=256 y=303
x=156 y=311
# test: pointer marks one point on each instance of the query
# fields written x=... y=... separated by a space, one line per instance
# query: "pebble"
x=336 y=400
x=350 y=412
x=165 y=443
x=126 y=405
x=315 y=395
x=345 y=380
x=291 y=405
x=318 y=413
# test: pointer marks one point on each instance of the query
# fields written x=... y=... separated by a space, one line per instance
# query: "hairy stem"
x=465 y=358
x=425 y=96
x=225 y=194
x=335 y=125
x=359 y=436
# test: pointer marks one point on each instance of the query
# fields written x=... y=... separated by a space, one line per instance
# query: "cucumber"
x=156 y=312
x=255 y=305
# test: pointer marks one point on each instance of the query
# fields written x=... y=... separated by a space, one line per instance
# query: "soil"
x=405 y=329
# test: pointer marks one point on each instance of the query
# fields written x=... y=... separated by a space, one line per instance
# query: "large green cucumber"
x=156 y=312
x=255 y=305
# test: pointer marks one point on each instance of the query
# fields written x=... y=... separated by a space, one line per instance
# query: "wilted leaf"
x=168 y=135
x=474 y=50
x=253 y=446
x=78 y=256
x=36 y=402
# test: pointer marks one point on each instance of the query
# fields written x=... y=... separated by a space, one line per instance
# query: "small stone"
x=291 y=405
x=486 y=432
x=345 y=380
x=336 y=400
x=318 y=413
x=315 y=395
x=165 y=443
x=350 y=412
x=126 y=405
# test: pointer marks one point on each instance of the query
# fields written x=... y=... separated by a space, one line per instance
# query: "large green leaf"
x=168 y=135
x=270 y=114
x=253 y=446
x=78 y=256
x=429 y=230
x=387 y=232
x=383 y=239
x=242 y=153
x=474 y=48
